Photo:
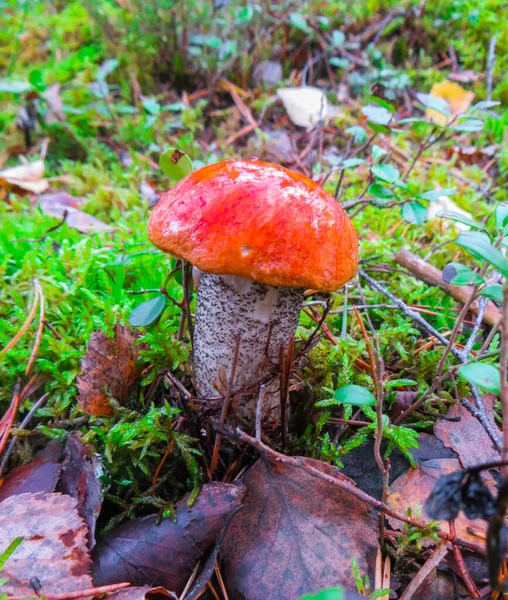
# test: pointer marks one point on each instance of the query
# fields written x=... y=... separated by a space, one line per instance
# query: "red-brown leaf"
x=109 y=369
x=143 y=552
x=295 y=535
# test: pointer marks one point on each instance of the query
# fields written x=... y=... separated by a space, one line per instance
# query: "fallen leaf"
x=411 y=490
x=149 y=193
x=39 y=475
x=458 y=99
x=306 y=106
x=54 y=104
x=464 y=76
x=446 y=203
x=28 y=178
x=295 y=535
x=143 y=593
x=274 y=145
x=62 y=205
x=79 y=479
x=268 y=72
x=141 y=551
x=108 y=369
x=467 y=437
x=53 y=548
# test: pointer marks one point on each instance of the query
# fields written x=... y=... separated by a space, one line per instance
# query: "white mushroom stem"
x=233 y=310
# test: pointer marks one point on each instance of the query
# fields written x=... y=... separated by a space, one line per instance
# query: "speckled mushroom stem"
x=231 y=308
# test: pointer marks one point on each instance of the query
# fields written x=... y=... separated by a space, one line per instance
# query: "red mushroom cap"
x=260 y=221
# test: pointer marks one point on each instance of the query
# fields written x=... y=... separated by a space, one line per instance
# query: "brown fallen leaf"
x=79 y=479
x=39 y=475
x=109 y=369
x=53 y=549
x=467 y=437
x=28 y=178
x=144 y=552
x=295 y=535
x=54 y=104
x=412 y=489
x=458 y=99
x=62 y=205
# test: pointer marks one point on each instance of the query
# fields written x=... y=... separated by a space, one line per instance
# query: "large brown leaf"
x=54 y=545
x=467 y=437
x=295 y=535
x=109 y=369
x=146 y=553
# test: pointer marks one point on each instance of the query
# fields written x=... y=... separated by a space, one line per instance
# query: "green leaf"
x=147 y=312
x=501 y=215
x=380 y=191
x=484 y=105
x=399 y=383
x=459 y=218
x=378 y=128
x=175 y=164
x=433 y=195
x=385 y=173
x=378 y=152
x=478 y=244
x=377 y=114
x=331 y=594
x=151 y=105
x=245 y=14
x=211 y=41
x=483 y=375
x=338 y=38
x=14 y=87
x=349 y=163
x=9 y=551
x=298 y=21
x=359 y=134
x=461 y=275
x=107 y=67
x=354 y=394
x=414 y=213
x=494 y=292
x=430 y=101
x=340 y=63
x=469 y=126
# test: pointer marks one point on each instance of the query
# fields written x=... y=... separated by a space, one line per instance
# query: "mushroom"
x=260 y=234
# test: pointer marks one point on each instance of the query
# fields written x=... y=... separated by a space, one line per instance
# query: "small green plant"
x=4 y=557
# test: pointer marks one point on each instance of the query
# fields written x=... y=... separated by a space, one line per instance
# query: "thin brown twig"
x=430 y=564
x=40 y=329
x=25 y=326
x=93 y=591
x=464 y=573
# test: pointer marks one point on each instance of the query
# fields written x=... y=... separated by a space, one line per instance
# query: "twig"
x=491 y=61
x=40 y=328
x=464 y=573
x=345 y=486
x=25 y=326
x=259 y=410
x=169 y=449
x=8 y=418
x=225 y=406
x=482 y=305
x=22 y=426
x=503 y=368
x=286 y=361
x=94 y=591
x=430 y=564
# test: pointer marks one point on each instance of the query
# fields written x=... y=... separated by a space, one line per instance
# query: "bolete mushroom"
x=261 y=234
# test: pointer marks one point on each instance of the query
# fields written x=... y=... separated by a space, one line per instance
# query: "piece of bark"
x=433 y=276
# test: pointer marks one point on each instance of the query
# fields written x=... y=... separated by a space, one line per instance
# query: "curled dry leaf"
x=458 y=99
x=467 y=437
x=411 y=490
x=53 y=548
x=62 y=205
x=306 y=106
x=109 y=369
x=39 y=475
x=295 y=535
x=141 y=551
x=79 y=479
x=28 y=178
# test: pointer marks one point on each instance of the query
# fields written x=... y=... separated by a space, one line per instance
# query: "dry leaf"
x=109 y=370
x=143 y=593
x=29 y=178
x=411 y=490
x=62 y=205
x=295 y=535
x=458 y=99
x=54 y=545
x=446 y=203
x=146 y=552
x=467 y=437
x=305 y=106
x=55 y=104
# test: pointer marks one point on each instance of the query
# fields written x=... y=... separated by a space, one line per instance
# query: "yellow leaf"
x=458 y=99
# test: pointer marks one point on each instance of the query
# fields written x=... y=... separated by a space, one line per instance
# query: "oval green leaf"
x=483 y=375
x=494 y=292
x=354 y=394
x=147 y=312
x=459 y=218
x=414 y=213
x=478 y=244
x=461 y=275
x=380 y=191
x=385 y=173
x=175 y=164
